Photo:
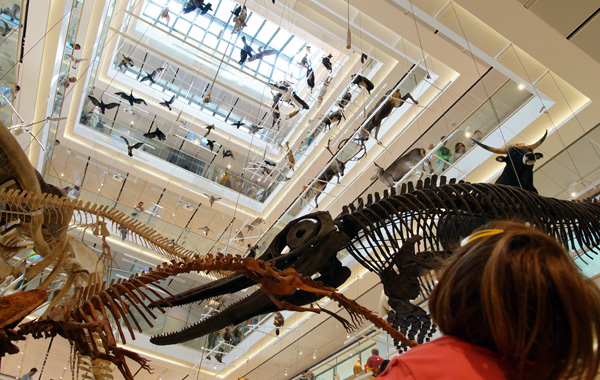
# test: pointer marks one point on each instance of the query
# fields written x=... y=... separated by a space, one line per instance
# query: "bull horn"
x=489 y=148
x=540 y=141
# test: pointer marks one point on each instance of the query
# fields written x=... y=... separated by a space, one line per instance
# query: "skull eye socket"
x=302 y=232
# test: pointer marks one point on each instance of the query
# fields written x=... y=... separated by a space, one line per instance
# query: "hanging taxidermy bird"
x=212 y=199
x=192 y=5
x=240 y=13
x=130 y=98
x=158 y=134
x=164 y=14
x=101 y=105
x=125 y=63
x=278 y=321
x=130 y=148
x=210 y=144
x=209 y=128
x=238 y=124
x=245 y=52
x=151 y=75
x=167 y=103
x=228 y=153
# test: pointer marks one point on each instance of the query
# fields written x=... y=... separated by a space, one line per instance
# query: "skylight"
x=214 y=30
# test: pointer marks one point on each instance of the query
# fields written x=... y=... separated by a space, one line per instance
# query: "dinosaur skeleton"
x=401 y=237
x=88 y=325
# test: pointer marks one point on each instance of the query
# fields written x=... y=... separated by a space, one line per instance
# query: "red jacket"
x=447 y=358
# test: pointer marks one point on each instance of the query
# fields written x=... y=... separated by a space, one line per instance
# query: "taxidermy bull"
x=401 y=166
x=519 y=162
x=401 y=237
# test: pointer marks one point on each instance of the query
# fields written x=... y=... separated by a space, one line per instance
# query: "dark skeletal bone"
x=401 y=237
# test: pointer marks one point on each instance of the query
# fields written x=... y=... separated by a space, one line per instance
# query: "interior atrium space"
x=218 y=132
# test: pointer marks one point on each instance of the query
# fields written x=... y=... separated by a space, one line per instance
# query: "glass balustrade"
x=10 y=21
x=164 y=151
x=501 y=105
x=190 y=240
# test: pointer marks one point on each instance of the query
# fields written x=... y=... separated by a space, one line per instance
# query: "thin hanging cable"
x=488 y=97
x=419 y=38
x=552 y=124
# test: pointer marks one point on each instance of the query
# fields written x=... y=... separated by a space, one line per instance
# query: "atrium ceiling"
x=538 y=60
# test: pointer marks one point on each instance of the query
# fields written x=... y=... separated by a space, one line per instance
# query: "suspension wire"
x=486 y=91
x=419 y=37
x=552 y=124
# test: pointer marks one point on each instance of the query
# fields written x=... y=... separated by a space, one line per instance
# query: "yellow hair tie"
x=480 y=234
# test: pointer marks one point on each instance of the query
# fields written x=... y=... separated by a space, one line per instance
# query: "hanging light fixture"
x=349 y=34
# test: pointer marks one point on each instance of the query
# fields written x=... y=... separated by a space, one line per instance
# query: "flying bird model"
x=167 y=103
x=228 y=153
x=238 y=124
x=130 y=98
x=156 y=134
x=130 y=148
x=208 y=129
x=261 y=54
x=205 y=229
x=101 y=105
x=241 y=13
x=192 y=5
x=254 y=128
x=125 y=63
x=164 y=14
x=245 y=52
x=151 y=75
x=210 y=144
x=212 y=199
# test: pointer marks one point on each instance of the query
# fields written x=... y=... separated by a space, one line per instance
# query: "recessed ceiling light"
x=521 y=86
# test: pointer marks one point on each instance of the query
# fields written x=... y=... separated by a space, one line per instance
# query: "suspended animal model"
x=262 y=52
x=152 y=76
x=334 y=169
x=130 y=148
x=245 y=52
x=326 y=61
x=130 y=98
x=209 y=128
x=519 y=161
x=101 y=105
x=125 y=63
x=167 y=103
x=401 y=237
x=310 y=78
x=401 y=166
x=332 y=117
x=323 y=90
x=346 y=98
x=363 y=82
x=240 y=15
x=382 y=110
x=156 y=134
x=193 y=5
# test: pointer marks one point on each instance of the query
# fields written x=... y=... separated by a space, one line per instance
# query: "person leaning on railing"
x=511 y=305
